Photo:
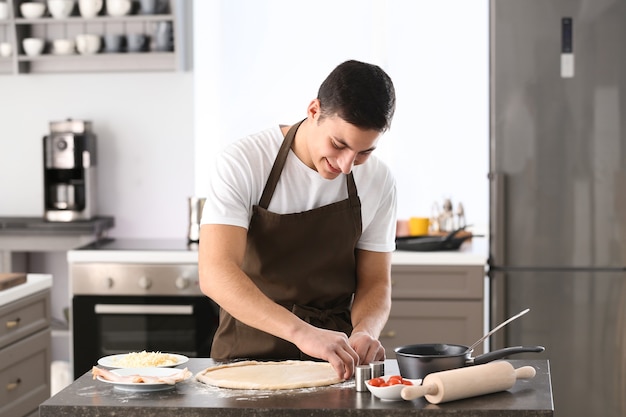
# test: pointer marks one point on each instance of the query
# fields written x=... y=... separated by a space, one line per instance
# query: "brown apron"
x=303 y=261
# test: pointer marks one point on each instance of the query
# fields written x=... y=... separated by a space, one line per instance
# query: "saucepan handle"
x=502 y=353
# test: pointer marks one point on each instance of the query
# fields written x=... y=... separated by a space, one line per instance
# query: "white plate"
x=110 y=361
x=141 y=386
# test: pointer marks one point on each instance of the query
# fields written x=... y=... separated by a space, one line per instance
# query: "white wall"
x=144 y=128
x=259 y=63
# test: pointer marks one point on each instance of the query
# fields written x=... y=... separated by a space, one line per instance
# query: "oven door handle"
x=137 y=309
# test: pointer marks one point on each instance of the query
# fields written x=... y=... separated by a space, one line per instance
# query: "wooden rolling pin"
x=470 y=381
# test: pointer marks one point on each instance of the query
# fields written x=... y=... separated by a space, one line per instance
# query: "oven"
x=121 y=307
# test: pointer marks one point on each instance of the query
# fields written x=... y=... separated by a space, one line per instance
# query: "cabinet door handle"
x=12 y=385
x=13 y=323
x=389 y=334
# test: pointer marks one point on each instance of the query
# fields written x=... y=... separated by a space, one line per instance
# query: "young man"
x=297 y=231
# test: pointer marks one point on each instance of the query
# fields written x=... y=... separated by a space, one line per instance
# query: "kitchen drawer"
x=411 y=322
x=25 y=375
x=437 y=282
x=24 y=317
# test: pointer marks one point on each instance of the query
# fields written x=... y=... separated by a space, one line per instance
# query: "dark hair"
x=361 y=94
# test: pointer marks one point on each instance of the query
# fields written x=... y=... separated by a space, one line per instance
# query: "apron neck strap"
x=279 y=163
x=277 y=168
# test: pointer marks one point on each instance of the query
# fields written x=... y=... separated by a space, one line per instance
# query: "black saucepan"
x=417 y=361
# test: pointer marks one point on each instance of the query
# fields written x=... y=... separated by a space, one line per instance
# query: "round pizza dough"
x=270 y=375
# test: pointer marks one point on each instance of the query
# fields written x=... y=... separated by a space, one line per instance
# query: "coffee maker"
x=69 y=153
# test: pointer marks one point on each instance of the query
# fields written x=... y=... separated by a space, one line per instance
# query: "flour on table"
x=270 y=375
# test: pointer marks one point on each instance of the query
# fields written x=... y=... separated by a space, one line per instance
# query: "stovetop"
x=136 y=251
x=141 y=245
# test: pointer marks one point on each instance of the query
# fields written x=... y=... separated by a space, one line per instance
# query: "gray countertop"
x=34 y=283
x=87 y=397
x=170 y=251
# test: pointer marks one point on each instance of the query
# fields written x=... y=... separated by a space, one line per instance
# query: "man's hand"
x=330 y=346
x=368 y=348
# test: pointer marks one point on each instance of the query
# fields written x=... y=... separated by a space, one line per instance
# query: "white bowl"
x=89 y=8
x=33 y=46
x=6 y=49
x=60 y=9
x=63 y=47
x=87 y=43
x=392 y=392
x=118 y=7
x=32 y=10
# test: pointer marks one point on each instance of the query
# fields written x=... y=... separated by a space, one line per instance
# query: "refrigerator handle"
x=497 y=308
x=497 y=219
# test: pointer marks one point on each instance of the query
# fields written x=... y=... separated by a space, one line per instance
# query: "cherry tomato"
x=394 y=380
x=376 y=382
x=406 y=382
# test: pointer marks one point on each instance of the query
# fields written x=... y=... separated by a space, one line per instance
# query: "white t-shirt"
x=241 y=171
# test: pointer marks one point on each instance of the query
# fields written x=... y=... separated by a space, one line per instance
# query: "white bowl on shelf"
x=63 y=46
x=118 y=8
x=87 y=43
x=33 y=46
x=32 y=10
x=6 y=49
x=60 y=9
x=90 y=8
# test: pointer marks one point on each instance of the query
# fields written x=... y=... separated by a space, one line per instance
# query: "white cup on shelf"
x=60 y=9
x=32 y=10
x=89 y=8
x=63 y=46
x=88 y=43
x=118 y=7
x=33 y=46
x=6 y=49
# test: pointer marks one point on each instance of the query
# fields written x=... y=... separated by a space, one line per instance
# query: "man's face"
x=335 y=146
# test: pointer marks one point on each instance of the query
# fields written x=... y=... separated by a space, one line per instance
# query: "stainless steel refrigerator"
x=558 y=192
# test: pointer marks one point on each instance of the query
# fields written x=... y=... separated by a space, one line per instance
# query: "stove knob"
x=108 y=283
x=145 y=283
x=182 y=283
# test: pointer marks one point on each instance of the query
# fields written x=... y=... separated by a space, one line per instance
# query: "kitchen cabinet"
x=25 y=347
x=16 y=28
x=437 y=297
x=435 y=304
x=21 y=236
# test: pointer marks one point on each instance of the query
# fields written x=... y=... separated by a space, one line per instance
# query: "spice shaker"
x=363 y=373
x=378 y=369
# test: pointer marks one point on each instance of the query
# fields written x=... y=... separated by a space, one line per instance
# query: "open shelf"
x=16 y=28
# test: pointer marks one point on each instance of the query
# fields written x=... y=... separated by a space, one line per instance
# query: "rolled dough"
x=270 y=375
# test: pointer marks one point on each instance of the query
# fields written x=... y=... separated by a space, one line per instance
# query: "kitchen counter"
x=35 y=234
x=167 y=251
x=34 y=283
x=87 y=397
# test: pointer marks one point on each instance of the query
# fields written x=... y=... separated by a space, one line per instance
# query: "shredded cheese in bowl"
x=145 y=359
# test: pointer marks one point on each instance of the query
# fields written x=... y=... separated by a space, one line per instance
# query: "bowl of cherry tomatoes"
x=389 y=387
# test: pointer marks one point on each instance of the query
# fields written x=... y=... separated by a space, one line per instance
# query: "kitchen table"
x=87 y=397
